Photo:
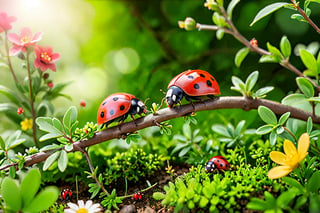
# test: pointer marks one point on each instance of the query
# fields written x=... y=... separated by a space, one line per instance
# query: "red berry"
x=254 y=42
x=83 y=103
x=20 y=111
x=50 y=84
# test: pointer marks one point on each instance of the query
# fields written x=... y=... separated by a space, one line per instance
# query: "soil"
x=146 y=204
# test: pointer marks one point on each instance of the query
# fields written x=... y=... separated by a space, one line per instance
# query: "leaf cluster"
x=132 y=165
x=198 y=190
x=24 y=196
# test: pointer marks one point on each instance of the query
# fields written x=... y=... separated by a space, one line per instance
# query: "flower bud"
x=188 y=24
x=254 y=42
x=20 y=111
x=46 y=76
x=82 y=103
x=50 y=84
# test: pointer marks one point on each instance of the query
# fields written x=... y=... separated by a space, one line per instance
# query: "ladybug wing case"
x=196 y=83
x=113 y=107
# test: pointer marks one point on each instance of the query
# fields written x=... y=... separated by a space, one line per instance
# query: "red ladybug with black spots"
x=191 y=84
x=217 y=162
x=66 y=194
x=117 y=107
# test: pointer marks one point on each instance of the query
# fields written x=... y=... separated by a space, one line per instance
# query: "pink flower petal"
x=37 y=37
x=51 y=67
x=15 y=50
x=26 y=32
x=14 y=38
x=55 y=57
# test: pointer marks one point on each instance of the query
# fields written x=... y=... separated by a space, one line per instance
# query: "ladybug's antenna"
x=145 y=101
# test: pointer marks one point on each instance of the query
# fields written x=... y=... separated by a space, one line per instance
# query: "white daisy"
x=82 y=207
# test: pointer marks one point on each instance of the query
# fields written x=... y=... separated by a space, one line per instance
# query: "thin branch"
x=9 y=60
x=301 y=11
x=228 y=102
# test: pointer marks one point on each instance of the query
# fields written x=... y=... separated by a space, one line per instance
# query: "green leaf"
x=261 y=93
x=11 y=194
x=294 y=183
x=267 y=115
x=68 y=147
x=313 y=184
x=50 y=160
x=220 y=34
x=203 y=202
x=46 y=124
x=268 y=59
x=268 y=10
x=43 y=200
x=13 y=97
x=298 y=17
x=70 y=117
x=241 y=55
x=305 y=86
x=238 y=84
x=273 y=138
x=309 y=60
x=280 y=130
x=184 y=151
x=2 y=144
x=297 y=100
x=251 y=81
x=257 y=204
x=30 y=185
x=63 y=161
x=14 y=140
x=284 y=118
x=220 y=129
x=285 y=47
x=309 y=125
x=275 y=51
x=158 y=196
x=49 y=136
x=231 y=6
x=265 y=129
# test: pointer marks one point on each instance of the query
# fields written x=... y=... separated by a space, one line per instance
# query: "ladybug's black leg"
x=189 y=98
x=132 y=116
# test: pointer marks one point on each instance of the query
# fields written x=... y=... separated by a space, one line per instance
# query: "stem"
x=146 y=189
x=32 y=103
x=85 y=153
x=285 y=128
x=9 y=60
x=301 y=11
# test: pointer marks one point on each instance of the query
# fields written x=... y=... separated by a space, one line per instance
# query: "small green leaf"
x=2 y=144
x=70 y=117
x=203 y=202
x=241 y=55
x=231 y=6
x=268 y=10
x=268 y=59
x=11 y=194
x=11 y=95
x=238 y=84
x=265 y=129
x=309 y=60
x=285 y=47
x=305 y=86
x=284 y=118
x=309 y=125
x=220 y=34
x=294 y=183
x=280 y=130
x=158 y=196
x=68 y=147
x=256 y=204
x=314 y=183
x=30 y=185
x=50 y=160
x=46 y=124
x=43 y=200
x=298 y=17
x=274 y=51
x=251 y=81
x=267 y=115
x=262 y=92
x=273 y=138
x=63 y=161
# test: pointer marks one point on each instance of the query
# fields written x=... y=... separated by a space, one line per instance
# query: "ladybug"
x=66 y=194
x=117 y=107
x=191 y=84
x=217 y=162
x=137 y=196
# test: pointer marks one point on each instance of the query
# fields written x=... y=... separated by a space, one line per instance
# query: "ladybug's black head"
x=210 y=166
x=174 y=95
x=137 y=107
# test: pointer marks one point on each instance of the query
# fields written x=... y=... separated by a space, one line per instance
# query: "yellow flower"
x=26 y=124
x=290 y=159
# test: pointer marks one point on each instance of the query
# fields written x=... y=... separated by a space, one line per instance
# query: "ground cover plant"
x=254 y=147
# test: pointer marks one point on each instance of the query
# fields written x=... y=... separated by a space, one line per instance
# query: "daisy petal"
x=88 y=204
x=279 y=171
x=73 y=206
x=80 y=203
x=69 y=211
x=278 y=157
x=303 y=146
x=289 y=148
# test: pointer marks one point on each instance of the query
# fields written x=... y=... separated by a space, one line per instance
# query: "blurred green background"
x=135 y=46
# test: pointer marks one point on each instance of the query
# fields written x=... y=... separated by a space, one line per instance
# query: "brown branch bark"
x=229 y=102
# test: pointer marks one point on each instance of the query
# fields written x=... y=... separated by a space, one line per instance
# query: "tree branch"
x=228 y=102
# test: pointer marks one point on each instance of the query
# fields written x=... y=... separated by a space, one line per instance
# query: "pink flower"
x=22 y=42
x=45 y=58
x=5 y=22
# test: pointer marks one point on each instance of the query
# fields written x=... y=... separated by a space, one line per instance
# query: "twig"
x=227 y=102
x=237 y=35
x=9 y=60
x=301 y=11
x=34 y=131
